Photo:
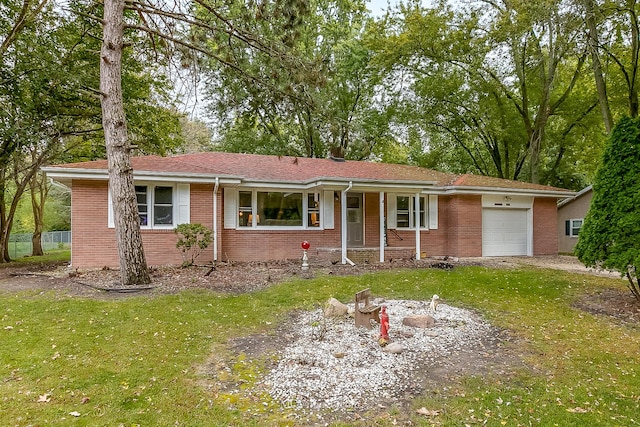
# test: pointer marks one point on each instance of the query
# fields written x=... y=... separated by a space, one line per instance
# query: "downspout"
x=215 y=220
x=416 y=223
x=343 y=223
x=382 y=217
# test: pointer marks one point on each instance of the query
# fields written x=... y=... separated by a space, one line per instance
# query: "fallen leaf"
x=85 y=400
x=577 y=410
x=74 y=414
x=44 y=398
x=427 y=412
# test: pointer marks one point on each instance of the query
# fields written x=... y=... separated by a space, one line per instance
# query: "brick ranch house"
x=262 y=208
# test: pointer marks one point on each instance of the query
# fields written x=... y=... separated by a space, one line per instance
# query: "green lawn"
x=137 y=361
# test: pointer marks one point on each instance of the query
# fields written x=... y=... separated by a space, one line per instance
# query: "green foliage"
x=610 y=236
x=312 y=92
x=487 y=93
x=192 y=240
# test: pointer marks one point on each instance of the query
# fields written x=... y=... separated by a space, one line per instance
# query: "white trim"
x=328 y=222
x=392 y=209
x=414 y=211
x=215 y=220
x=416 y=220
x=575 y=197
x=381 y=229
x=343 y=223
x=111 y=223
x=571 y=227
x=230 y=207
x=506 y=202
x=177 y=217
x=433 y=211
x=183 y=198
x=326 y=218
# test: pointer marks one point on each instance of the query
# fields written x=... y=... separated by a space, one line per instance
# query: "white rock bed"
x=310 y=377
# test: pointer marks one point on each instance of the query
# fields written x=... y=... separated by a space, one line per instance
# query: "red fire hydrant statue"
x=384 y=326
x=305 y=258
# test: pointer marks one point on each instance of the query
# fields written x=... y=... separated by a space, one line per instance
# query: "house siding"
x=459 y=232
x=545 y=237
x=575 y=209
x=93 y=243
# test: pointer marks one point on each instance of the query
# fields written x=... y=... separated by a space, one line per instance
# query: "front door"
x=355 y=223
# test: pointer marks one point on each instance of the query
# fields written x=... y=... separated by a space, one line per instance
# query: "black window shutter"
x=567 y=228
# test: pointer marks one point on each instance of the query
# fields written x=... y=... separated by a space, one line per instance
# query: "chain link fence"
x=20 y=244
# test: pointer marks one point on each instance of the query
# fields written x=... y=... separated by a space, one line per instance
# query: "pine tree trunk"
x=133 y=265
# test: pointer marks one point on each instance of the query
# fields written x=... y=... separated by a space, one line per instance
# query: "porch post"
x=416 y=223
x=343 y=222
x=215 y=220
x=382 y=217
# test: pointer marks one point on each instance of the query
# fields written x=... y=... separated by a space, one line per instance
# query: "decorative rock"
x=407 y=334
x=339 y=355
x=393 y=348
x=335 y=308
x=419 y=321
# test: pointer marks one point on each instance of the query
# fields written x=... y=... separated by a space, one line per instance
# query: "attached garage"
x=506 y=226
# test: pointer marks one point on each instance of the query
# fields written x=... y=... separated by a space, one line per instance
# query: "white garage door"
x=504 y=232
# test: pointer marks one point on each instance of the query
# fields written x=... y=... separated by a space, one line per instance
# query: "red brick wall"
x=94 y=244
x=372 y=219
x=545 y=237
x=465 y=225
x=459 y=231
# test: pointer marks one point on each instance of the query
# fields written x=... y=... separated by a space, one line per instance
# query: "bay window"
x=266 y=208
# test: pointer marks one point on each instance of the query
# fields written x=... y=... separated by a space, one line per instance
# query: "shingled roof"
x=298 y=170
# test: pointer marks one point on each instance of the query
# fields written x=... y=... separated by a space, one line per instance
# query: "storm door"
x=355 y=223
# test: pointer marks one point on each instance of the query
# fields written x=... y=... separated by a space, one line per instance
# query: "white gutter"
x=343 y=223
x=505 y=191
x=382 y=212
x=66 y=174
x=215 y=220
x=416 y=222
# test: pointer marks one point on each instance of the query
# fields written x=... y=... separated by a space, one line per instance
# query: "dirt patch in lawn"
x=252 y=276
x=496 y=355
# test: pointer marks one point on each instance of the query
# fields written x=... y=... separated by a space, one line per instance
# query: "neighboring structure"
x=571 y=213
x=262 y=207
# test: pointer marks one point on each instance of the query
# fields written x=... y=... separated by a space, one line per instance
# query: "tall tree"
x=593 y=42
x=614 y=39
x=497 y=79
x=320 y=98
x=133 y=265
x=49 y=109
x=610 y=234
